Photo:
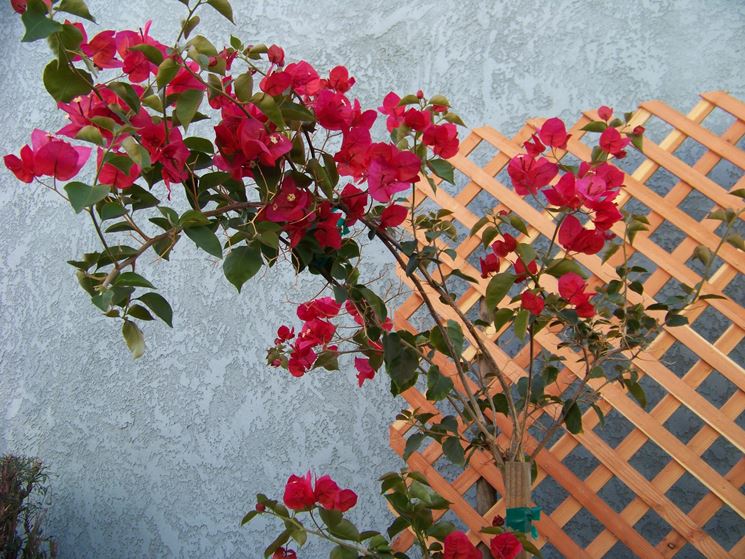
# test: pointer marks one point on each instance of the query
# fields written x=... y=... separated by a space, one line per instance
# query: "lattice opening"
x=726 y=527
x=687 y=492
x=649 y=460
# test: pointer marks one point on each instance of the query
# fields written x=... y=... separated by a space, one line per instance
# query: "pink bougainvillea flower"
x=529 y=174
x=135 y=64
x=353 y=158
x=489 y=265
x=257 y=144
x=458 y=546
x=393 y=216
x=333 y=110
x=299 y=493
x=532 y=302
x=102 y=50
x=276 y=55
x=391 y=170
x=575 y=238
x=276 y=83
x=185 y=80
x=605 y=113
x=554 y=133
x=323 y=307
x=592 y=188
x=443 y=138
x=364 y=370
x=572 y=288
x=48 y=156
x=355 y=203
x=393 y=111
x=504 y=247
x=289 y=204
x=612 y=142
x=505 y=546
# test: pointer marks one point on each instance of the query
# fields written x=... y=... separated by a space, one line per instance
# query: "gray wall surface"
x=162 y=456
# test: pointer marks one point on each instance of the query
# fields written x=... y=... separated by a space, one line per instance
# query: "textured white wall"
x=161 y=457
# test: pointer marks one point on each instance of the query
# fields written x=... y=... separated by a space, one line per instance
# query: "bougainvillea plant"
x=290 y=171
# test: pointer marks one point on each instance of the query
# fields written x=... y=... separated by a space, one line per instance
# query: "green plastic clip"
x=341 y=225
x=521 y=519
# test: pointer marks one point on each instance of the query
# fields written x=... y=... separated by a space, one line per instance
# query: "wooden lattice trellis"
x=682 y=210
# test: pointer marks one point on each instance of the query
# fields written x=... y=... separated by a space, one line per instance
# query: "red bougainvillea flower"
x=185 y=80
x=458 y=546
x=393 y=111
x=355 y=203
x=257 y=144
x=276 y=83
x=135 y=64
x=489 y=265
x=49 y=156
x=339 y=80
x=331 y=497
x=289 y=204
x=554 y=133
x=443 y=138
x=364 y=370
x=575 y=238
x=102 y=49
x=612 y=142
x=113 y=176
x=611 y=174
x=276 y=55
x=327 y=226
x=605 y=113
x=505 y=546
x=534 y=146
x=522 y=272
x=301 y=360
x=606 y=214
x=504 y=247
x=418 y=120
x=391 y=170
x=529 y=174
x=284 y=553
x=299 y=493
x=333 y=110
x=20 y=5
x=353 y=158
x=572 y=288
x=284 y=333
x=564 y=193
x=323 y=307
x=532 y=302
x=393 y=216
x=305 y=80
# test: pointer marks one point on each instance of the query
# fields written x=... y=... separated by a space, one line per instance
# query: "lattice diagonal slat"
x=680 y=486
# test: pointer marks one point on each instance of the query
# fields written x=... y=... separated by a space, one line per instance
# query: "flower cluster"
x=302 y=494
x=502 y=546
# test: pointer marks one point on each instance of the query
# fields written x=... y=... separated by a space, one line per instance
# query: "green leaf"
x=224 y=7
x=132 y=279
x=205 y=239
x=140 y=312
x=572 y=417
x=82 y=196
x=558 y=268
x=127 y=94
x=439 y=100
x=330 y=517
x=454 y=451
x=249 y=517
x=595 y=126
x=502 y=317
x=90 y=134
x=413 y=443
x=166 y=72
x=442 y=169
x=136 y=152
x=498 y=287
x=341 y=552
x=64 y=84
x=159 y=306
x=76 y=7
x=637 y=392
x=278 y=542
x=134 y=338
x=345 y=530
x=521 y=324
x=241 y=264
x=454 y=333
x=675 y=320
x=243 y=87
x=151 y=53
x=294 y=111
x=266 y=105
x=37 y=22
x=438 y=385
x=187 y=104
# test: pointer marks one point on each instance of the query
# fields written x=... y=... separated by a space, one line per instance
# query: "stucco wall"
x=162 y=456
